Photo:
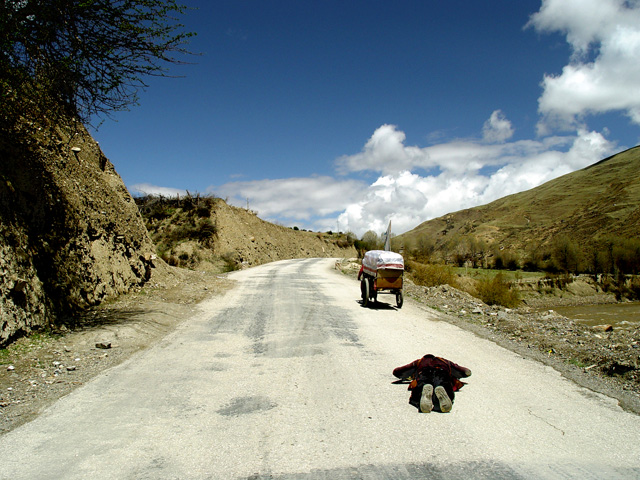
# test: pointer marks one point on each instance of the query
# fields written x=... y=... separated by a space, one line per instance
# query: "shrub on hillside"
x=512 y=264
x=203 y=211
x=622 y=286
x=432 y=275
x=343 y=242
x=421 y=249
x=154 y=209
x=497 y=291
x=205 y=231
x=460 y=258
x=505 y=260
x=202 y=231
x=231 y=261
x=626 y=256
x=170 y=259
x=370 y=241
x=534 y=258
x=531 y=265
x=566 y=254
x=634 y=288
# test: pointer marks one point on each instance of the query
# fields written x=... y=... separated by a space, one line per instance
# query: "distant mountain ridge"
x=588 y=205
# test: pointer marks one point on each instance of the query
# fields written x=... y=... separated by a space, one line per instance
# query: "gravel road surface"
x=287 y=376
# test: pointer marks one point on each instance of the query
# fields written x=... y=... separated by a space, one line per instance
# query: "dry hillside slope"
x=600 y=200
x=207 y=233
x=71 y=235
x=256 y=241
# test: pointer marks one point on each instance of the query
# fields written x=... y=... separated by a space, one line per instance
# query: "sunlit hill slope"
x=586 y=206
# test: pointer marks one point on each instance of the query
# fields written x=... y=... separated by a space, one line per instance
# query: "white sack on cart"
x=375 y=260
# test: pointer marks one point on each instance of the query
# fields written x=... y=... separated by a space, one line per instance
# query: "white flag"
x=387 y=240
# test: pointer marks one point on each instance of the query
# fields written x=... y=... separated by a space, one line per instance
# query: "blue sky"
x=345 y=115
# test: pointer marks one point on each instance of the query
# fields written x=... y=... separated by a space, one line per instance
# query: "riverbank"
x=624 y=315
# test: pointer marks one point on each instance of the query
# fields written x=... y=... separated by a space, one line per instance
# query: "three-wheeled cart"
x=382 y=272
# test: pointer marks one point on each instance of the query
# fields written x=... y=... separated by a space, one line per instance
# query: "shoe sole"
x=426 y=404
x=443 y=398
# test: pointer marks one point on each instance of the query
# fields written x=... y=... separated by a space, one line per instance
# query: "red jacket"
x=411 y=370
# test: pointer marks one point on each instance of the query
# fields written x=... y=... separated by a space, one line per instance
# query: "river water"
x=618 y=315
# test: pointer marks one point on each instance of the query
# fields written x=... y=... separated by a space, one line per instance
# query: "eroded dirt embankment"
x=71 y=235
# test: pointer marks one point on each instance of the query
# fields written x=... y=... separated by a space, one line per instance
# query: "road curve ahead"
x=288 y=377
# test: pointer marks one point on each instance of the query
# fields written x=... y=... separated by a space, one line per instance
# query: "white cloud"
x=416 y=184
x=148 y=189
x=583 y=21
x=384 y=152
x=497 y=128
x=408 y=198
x=291 y=199
x=608 y=31
x=434 y=180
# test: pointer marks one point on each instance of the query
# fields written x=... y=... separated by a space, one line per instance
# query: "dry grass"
x=497 y=291
x=432 y=275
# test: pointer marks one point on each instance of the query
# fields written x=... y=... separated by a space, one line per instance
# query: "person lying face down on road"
x=434 y=381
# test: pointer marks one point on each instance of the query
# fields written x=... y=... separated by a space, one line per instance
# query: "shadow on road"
x=378 y=306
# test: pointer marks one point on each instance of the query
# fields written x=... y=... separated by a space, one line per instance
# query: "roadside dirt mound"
x=240 y=232
x=206 y=233
x=70 y=233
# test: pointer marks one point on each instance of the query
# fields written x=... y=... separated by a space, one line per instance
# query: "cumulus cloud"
x=291 y=199
x=603 y=73
x=408 y=198
x=462 y=174
x=384 y=152
x=425 y=183
x=497 y=128
x=148 y=189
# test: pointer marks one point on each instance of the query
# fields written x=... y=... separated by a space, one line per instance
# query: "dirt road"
x=287 y=376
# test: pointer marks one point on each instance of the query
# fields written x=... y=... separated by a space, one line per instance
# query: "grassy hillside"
x=587 y=207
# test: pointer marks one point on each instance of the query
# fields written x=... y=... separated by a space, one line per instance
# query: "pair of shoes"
x=426 y=404
x=445 y=402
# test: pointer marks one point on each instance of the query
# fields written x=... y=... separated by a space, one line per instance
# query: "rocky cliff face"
x=70 y=233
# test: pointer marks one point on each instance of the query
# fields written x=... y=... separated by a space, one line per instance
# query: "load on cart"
x=381 y=272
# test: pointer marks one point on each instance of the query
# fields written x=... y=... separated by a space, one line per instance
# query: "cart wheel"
x=399 y=299
x=364 y=288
